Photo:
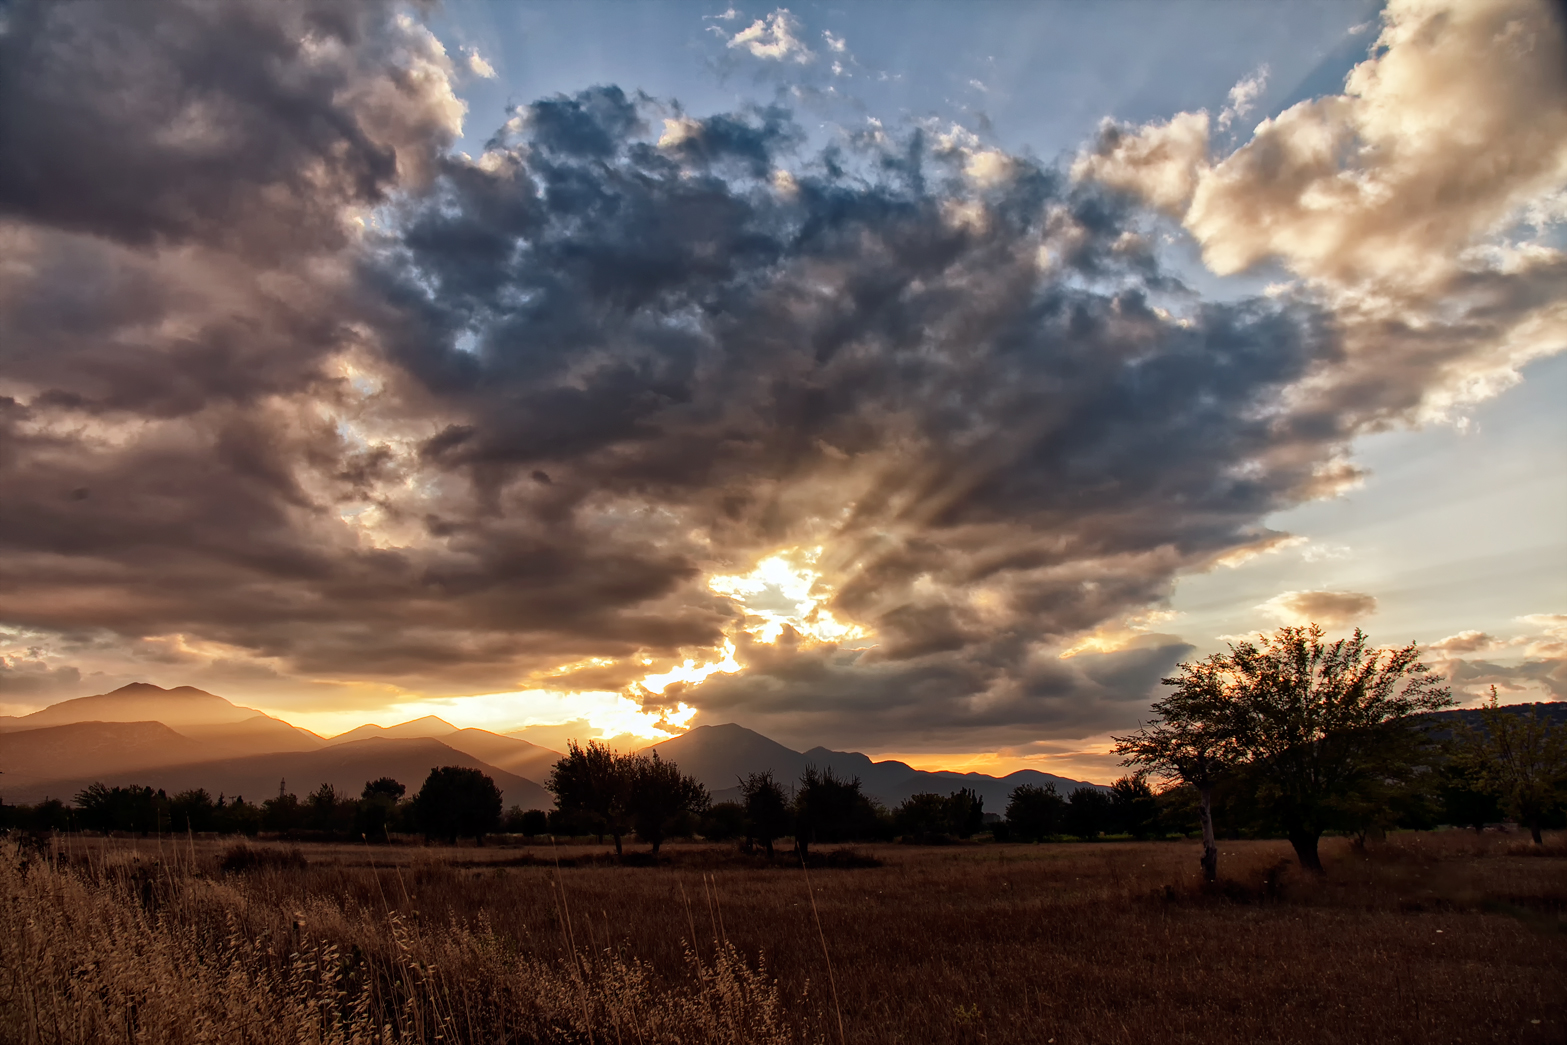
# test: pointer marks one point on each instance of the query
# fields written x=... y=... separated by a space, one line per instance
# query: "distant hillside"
x=138 y=702
x=88 y=748
x=1442 y=722
x=720 y=755
x=347 y=767
x=223 y=728
x=429 y=726
x=529 y=761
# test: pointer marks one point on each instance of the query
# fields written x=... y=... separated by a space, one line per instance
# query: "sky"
x=920 y=379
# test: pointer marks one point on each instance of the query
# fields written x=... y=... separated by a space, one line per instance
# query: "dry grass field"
x=1443 y=937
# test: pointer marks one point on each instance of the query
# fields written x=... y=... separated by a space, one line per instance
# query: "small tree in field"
x=825 y=808
x=458 y=800
x=1316 y=725
x=1134 y=808
x=659 y=795
x=767 y=814
x=591 y=786
x=1520 y=760
x=1190 y=742
x=1035 y=813
x=1319 y=723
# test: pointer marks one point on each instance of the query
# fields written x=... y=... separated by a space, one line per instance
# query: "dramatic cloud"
x=854 y=445
x=1417 y=205
x=1541 y=673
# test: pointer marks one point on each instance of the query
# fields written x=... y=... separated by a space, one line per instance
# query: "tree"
x=826 y=808
x=192 y=811
x=965 y=812
x=923 y=818
x=1035 y=813
x=1316 y=726
x=458 y=800
x=377 y=808
x=1320 y=723
x=659 y=796
x=1087 y=812
x=929 y=817
x=767 y=814
x=1464 y=798
x=591 y=786
x=1190 y=742
x=132 y=808
x=1134 y=809
x=1520 y=759
x=723 y=821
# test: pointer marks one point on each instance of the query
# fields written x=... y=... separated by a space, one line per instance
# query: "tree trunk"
x=769 y=846
x=1534 y=832
x=617 y=844
x=1305 y=843
x=1210 y=846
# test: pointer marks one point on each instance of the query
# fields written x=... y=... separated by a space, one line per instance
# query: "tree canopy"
x=1314 y=725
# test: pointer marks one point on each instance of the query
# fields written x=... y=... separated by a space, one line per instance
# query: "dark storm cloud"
x=522 y=416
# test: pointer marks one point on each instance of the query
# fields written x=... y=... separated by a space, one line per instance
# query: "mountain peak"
x=142 y=702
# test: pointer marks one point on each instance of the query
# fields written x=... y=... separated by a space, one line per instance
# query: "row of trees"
x=1300 y=736
x=454 y=800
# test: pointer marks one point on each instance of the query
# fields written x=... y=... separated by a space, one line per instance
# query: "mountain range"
x=182 y=738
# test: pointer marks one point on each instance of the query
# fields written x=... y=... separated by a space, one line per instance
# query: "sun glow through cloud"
x=785 y=589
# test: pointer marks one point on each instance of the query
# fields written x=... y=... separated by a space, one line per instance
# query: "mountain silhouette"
x=719 y=756
x=429 y=726
x=87 y=748
x=185 y=738
x=223 y=728
x=347 y=767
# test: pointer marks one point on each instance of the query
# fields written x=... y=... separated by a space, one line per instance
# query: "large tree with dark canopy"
x=659 y=795
x=767 y=815
x=458 y=801
x=591 y=785
x=1314 y=724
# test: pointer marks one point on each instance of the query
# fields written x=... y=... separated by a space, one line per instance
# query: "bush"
x=243 y=859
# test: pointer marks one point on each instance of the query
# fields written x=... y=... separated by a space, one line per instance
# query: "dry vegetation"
x=1444 y=937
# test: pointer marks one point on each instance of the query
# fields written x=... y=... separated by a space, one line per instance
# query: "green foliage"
x=1519 y=759
x=1464 y=797
x=1035 y=813
x=1326 y=733
x=457 y=801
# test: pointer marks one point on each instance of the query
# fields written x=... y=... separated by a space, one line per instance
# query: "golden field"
x=1424 y=937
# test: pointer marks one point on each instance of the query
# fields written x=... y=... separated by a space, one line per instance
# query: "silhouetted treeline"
x=454 y=801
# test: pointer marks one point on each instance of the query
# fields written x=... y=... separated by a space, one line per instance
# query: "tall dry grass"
x=1445 y=937
x=119 y=945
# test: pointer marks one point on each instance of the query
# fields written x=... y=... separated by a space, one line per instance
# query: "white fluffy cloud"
x=775 y=37
x=1404 y=203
